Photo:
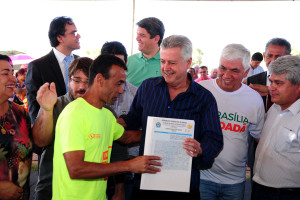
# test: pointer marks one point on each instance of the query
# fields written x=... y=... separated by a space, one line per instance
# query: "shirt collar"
x=157 y=56
x=294 y=108
x=60 y=56
x=191 y=89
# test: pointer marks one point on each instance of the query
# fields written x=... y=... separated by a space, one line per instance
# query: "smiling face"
x=282 y=91
x=146 y=44
x=173 y=67
x=7 y=80
x=113 y=86
x=231 y=73
x=273 y=52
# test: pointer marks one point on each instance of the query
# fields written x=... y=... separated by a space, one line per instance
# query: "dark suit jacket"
x=40 y=71
x=261 y=79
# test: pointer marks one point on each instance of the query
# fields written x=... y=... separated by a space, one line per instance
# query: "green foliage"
x=94 y=53
x=295 y=52
x=197 y=56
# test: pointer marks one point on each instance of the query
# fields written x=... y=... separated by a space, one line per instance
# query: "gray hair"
x=280 y=42
x=237 y=51
x=179 y=41
x=289 y=65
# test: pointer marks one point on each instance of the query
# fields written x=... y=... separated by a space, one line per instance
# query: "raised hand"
x=47 y=96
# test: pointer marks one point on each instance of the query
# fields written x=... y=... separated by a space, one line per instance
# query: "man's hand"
x=46 y=96
x=261 y=89
x=145 y=164
x=192 y=147
x=10 y=191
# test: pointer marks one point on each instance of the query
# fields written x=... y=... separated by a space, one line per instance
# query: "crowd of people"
x=88 y=118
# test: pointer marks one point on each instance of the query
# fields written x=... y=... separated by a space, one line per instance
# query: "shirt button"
x=169 y=106
x=147 y=63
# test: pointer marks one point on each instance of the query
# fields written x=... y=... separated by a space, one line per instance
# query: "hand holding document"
x=164 y=138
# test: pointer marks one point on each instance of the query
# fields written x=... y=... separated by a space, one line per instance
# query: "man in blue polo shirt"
x=146 y=64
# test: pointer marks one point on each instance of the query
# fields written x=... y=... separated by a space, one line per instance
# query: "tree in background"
x=94 y=53
x=197 y=56
x=295 y=52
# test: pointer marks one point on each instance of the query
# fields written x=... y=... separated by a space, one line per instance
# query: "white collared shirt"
x=277 y=158
x=62 y=63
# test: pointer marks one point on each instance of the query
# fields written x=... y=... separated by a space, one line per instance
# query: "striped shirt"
x=196 y=103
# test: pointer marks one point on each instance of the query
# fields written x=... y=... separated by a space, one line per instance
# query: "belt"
x=281 y=190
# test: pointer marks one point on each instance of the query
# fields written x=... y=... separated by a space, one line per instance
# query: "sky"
x=209 y=25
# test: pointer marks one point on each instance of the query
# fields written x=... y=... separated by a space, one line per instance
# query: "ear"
x=189 y=63
x=59 y=38
x=246 y=73
x=264 y=55
x=157 y=38
x=99 y=79
x=298 y=89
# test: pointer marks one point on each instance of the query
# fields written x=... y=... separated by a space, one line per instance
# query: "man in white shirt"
x=255 y=67
x=241 y=111
x=277 y=158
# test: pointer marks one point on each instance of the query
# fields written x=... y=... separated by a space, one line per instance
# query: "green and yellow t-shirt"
x=82 y=126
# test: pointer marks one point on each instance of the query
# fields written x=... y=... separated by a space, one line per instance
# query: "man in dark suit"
x=53 y=66
x=275 y=48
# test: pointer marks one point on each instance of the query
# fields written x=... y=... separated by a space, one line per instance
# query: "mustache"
x=81 y=91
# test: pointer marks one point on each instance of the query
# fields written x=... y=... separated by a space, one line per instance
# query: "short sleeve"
x=70 y=129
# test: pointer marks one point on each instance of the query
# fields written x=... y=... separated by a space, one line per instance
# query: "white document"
x=164 y=137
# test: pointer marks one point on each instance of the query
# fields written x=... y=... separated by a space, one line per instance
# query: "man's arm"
x=263 y=90
x=130 y=136
x=80 y=169
x=211 y=137
x=43 y=127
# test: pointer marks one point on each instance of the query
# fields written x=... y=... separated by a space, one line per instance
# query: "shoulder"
x=19 y=109
x=152 y=82
x=62 y=102
x=134 y=58
x=202 y=90
x=132 y=89
x=40 y=62
x=251 y=97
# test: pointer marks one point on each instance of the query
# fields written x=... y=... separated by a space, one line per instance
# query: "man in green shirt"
x=84 y=134
x=146 y=64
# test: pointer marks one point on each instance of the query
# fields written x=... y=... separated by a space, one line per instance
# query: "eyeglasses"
x=78 y=81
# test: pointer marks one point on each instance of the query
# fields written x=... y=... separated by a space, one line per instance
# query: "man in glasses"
x=53 y=67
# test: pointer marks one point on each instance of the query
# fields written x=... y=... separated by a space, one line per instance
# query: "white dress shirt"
x=62 y=63
x=277 y=162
